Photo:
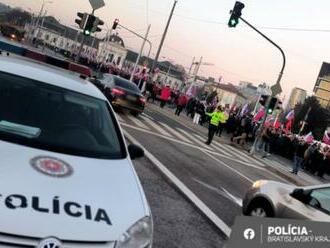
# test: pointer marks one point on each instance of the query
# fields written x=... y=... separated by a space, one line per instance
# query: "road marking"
x=154 y=125
x=190 y=145
x=176 y=133
x=119 y=118
x=190 y=136
x=229 y=167
x=220 y=149
x=137 y=122
x=223 y=192
x=246 y=157
x=184 y=189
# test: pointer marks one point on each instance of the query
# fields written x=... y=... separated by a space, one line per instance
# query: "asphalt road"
x=219 y=175
x=176 y=222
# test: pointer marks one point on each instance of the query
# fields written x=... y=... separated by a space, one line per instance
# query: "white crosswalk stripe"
x=137 y=122
x=220 y=148
x=119 y=118
x=156 y=126
x=174 y=132
x=193 y=138
x=243 y=156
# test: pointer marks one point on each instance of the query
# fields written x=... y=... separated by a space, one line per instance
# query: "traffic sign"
x=276 y=89
x=97 y=4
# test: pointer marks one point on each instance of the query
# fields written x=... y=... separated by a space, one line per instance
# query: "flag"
x=309 y=138
x=260 y=114
x=290 y=115
x=288 y=125
x=244 y=110
x=326 y=138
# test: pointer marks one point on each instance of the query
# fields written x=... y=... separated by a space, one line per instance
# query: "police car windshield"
x=52 y=118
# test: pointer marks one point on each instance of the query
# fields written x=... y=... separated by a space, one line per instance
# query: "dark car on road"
x=122 y=93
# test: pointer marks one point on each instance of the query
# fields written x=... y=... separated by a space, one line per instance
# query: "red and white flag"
x=290 y=115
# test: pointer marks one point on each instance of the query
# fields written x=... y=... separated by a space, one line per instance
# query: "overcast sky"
x=199 y=28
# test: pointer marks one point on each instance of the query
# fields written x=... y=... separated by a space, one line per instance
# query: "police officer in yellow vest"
x=216 y=117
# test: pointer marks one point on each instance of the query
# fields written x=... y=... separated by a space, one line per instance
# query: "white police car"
x=66 y=179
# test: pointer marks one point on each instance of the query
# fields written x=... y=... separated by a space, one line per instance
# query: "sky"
x=199 y=28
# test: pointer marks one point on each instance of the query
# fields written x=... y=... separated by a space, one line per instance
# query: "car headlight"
x=258 y=184
x=137 y=236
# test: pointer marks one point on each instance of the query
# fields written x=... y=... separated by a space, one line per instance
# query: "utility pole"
x=192 y=64
x=197 y=68
x=140 y=53
x=163 y=37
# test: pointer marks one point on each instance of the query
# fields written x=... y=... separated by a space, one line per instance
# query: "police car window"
x=53 y=118
x=320 y=198
x=126 y=84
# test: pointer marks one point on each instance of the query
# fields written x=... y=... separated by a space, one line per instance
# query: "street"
x=219 y=175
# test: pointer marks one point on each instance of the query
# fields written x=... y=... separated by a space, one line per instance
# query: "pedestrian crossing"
x=150 y=125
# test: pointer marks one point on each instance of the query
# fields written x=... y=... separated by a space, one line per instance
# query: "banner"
x=256 y=232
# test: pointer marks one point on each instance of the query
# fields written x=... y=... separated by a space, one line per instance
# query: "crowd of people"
x=306 y=154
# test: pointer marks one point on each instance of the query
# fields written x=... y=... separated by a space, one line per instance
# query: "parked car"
x=275 y=199
x=67 y=178
x=123 y=93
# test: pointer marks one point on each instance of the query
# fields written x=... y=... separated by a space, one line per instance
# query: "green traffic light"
x=233 y=22
x=87 y=32
x=270 y=111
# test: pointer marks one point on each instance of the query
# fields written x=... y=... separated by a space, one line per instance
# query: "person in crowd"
x=216 y=117
x=222 y=123
x=199 y=111
x=165 y=96
x=265 y=141
x=324 y=164
x=299 y=145
x=154 y=92
x=191 y=107
x=245 y=129
x=182 y=102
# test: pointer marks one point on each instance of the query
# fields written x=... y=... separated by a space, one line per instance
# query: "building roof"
x=230 y=88
x=115 y=39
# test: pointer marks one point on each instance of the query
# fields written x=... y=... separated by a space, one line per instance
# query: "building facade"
x=298 y=96
x=112 y=50
x=322 y=86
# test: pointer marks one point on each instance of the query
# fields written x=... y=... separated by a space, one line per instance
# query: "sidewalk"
x=278 y=165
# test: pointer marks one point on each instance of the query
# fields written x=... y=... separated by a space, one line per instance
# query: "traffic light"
x=263 y=100
x=82 y=21
x=115 y=24
x=98 y=22
x=279 y=105
x=272 y=105
x=88 y=30
x=235 y=14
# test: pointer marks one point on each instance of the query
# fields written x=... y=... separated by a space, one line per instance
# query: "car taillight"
x=143 y=100
x=117 y=92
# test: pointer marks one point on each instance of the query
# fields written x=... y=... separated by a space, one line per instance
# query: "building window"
x=118 y=60
x=110 y=57
x=47 y=37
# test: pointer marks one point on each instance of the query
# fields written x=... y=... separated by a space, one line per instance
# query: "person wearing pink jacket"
x=165 y=96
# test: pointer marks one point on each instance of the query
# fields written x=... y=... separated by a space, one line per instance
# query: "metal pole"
x=197 y=69
x=140 y=53
x=163 y=37
x=277 y=81
x=192 y=64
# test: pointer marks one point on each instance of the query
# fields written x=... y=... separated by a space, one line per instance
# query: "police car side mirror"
x=135 y=151
x=301 y=195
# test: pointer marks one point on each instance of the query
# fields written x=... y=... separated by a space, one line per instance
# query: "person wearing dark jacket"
x=299 y=146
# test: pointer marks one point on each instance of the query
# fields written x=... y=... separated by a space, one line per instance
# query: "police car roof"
x=48 y=74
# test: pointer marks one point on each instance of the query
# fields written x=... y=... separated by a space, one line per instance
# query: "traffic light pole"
x=252 y=150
